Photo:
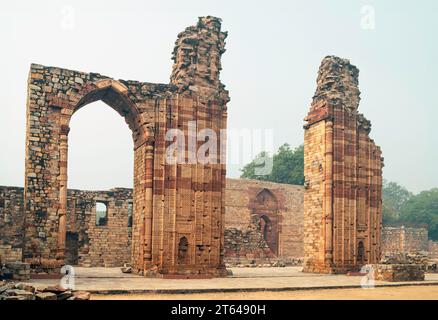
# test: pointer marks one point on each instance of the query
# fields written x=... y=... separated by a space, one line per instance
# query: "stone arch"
x=267 y=198
x=114 y=94
x=265 y=208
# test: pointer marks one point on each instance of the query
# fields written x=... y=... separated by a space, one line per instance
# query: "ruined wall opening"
x=183 y=248
x=266 y=208
x=265 y=227
x=100 y=149
x=101 y=214
x=72 y=248
x=100 y=160
x=360 y=253
x=130 y=212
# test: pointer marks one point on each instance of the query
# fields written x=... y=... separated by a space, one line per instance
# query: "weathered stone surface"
x=398 y=272
x=110 y=245
x=80 y=295
x=46 y=296
x=189 y=194
x=404 y=239
x=263 y=222
x=343 y=176
x=19 y=294
x=22 y=291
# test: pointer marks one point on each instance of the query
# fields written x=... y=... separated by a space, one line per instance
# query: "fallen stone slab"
x=80 y=295
x=46 y=296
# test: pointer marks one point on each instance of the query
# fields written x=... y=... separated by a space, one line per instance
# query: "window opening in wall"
x=101 y=214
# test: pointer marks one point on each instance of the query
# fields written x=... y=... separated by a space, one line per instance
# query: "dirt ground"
x=386 y=293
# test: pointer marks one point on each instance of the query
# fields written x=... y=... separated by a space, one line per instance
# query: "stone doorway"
x=72 y=248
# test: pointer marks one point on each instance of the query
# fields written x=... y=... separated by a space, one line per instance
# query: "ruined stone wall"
x=11 y=223
x=178 y=207
x=110 y=245
x=248 y=204
x=97 y=246
x=433 y=249
x=343 y=170
x=106 y=245
x=402 y=239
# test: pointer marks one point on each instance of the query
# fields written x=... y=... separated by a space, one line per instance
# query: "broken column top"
x=337 y=83
x=197 y=55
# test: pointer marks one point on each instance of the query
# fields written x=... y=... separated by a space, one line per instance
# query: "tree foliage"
x=422 y=208
x=287 y=166
x=394 y=196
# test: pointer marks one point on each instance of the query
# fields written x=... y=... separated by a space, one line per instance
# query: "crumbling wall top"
x=338 y=83
x=196 y=57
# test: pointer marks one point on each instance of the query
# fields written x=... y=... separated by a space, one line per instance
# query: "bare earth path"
x=386 y=293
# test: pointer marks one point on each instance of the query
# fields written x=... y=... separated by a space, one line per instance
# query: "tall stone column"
x=328 y=201
x=62 y=210
x=149 y=174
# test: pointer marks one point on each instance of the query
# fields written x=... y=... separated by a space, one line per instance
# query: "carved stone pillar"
x=62 y=210
x=149 y=175
x=328 y=214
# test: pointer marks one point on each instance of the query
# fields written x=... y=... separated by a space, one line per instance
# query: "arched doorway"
x=265 y=207
x=113 y=94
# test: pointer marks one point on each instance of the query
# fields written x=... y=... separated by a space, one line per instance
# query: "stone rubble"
x=22 y=291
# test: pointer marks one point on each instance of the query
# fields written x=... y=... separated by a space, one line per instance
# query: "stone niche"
x=178 y=208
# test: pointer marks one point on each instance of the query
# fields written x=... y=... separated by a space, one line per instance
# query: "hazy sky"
x=274 y=49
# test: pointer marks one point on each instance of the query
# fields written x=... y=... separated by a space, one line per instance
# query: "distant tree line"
x=402 y=206
x=287 y=166
x=399 y=204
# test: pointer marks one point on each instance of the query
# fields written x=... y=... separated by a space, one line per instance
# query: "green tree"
x=422 y=208
x=393 y=198
x=287 y=166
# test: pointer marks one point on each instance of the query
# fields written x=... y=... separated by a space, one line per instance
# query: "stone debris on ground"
x=22 y=291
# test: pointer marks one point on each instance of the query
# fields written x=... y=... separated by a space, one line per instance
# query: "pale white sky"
x=273 y=53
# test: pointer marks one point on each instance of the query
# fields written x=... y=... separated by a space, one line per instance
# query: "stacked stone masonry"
x=178 y=207
x=263 y=222
x=403 y=239
x=246 y=239
x=343 y=176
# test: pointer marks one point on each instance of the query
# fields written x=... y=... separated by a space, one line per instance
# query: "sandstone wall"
x=110 y=245
x=247 y=203
x=433 y=249
x=402 y=239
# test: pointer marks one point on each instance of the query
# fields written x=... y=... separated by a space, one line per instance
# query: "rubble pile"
x=23 y=291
